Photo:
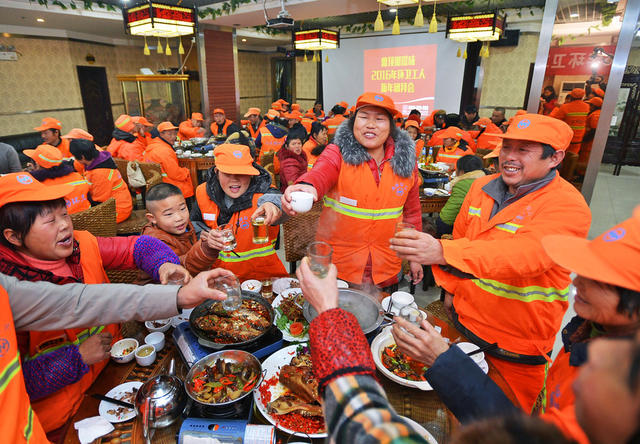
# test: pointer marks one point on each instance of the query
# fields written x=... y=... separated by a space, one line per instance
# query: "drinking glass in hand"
x=411 y=314
x=228 y=238
x=230 y=285
x=401 y=226
x=319 y=254
x=175 y=278
x=260 y=231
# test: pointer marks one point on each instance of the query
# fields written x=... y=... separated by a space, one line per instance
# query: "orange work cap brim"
x=49 y=123
x=541 y=129
x=22 y=187
x=77 y=133
x=141 y=120
x=166 y=126
x=219 y=111
x=379 y=100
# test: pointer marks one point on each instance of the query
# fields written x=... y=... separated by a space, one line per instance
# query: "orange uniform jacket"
x=575 y=115
x=215 y=129
x=54 y=410
x=251 y=261
x=484 y=140
x=451 y=155
x=270 y=144
x=187 y=131
x=77 y=200
x=308 y=146
x=359 y=218
x=127 y=150
x=592 y=124
x=307 y=122
x=515 y=294
x=333 y=123
x=18 y=422
x=419 y=147
x=436 y=140
x=254 y=132
x=159 y=151
x=106 y=183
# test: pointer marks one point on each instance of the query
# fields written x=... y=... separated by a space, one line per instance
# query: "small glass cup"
x=411 y=314
x=228 y=238
x=319 y=254
x=401 y=226
x=260 y=231
x=267 y=289
x=230 y=285
x=175 y=278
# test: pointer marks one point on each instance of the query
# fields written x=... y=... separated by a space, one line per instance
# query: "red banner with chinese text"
x=575 y=60
x=407 y=74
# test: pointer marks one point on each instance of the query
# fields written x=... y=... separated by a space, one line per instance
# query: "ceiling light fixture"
x=159 y=20
x=484 y=26
x=398 y=2
x=316 y=39
x=41 y=20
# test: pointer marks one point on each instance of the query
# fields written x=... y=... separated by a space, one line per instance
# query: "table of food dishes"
x=197 y=155
x=245 y=374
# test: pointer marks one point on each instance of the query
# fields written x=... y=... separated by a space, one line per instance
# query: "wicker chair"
x=298 y=232
x=122 y=276
x=99 y=220
x=132 y=225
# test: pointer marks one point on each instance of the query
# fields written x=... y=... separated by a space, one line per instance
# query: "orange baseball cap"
x=141 y=120
x=595 y=101
x=611 y=258
x=412 y=123
x=597 y=91
x=277 y=106
x=234 y=159
x=77 y=133
x=124 y=123
x=23 y=187
x=197 y=116
x=282 y=102
x=295 y=107
x=252 y=111
x=379 y=100
x=451 y=132
x=272 y=114
x=496 y=150
x=343 y=104
x=219 y=111
x=483 y=121
x=577 y=93
x=46 y=156
x=539 y=128
x=166 y=126
x=295 y=115
x=49 y=123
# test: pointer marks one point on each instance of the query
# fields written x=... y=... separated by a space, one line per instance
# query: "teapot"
x=160 y=401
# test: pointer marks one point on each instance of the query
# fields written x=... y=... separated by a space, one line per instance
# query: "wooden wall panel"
x=221 y=79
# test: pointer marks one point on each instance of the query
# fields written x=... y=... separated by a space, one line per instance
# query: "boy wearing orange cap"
x=238 y=192
x=51 y=169
x=574 y=112
x=125 y=144
x=161 y=151
x=103 y=176
x=192 y=128
x=50 y=131
x=499 y=283
x=221 y=126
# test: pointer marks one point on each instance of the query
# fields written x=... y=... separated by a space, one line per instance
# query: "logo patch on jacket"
x=399 y=188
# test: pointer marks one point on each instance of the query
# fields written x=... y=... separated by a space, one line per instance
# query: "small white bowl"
x=468 y=347
x=342 y=284
x=301 y=201
x=252 y=285
x=148 y=359
x=401 y=298
x=156 y=339
x=117 y=350
x=166 y=324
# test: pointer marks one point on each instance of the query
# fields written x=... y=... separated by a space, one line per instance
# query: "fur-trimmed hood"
x=402 y=162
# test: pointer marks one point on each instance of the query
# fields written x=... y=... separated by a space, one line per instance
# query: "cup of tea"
x=301 y=201
x=260 y=231
x=402 y=226
x=319 y=254
x=267 y=289
x=228 y=238
x=230 y=285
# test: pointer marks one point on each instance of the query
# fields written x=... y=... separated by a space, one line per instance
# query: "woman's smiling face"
x=371 y=127
x=50 y=237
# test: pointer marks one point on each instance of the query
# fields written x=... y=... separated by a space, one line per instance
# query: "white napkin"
x=91 y=428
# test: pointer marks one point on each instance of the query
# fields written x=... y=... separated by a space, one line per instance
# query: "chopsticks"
x=113 y=401
x=484 y=349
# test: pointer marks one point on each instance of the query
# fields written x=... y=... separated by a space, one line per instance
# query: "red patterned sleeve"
x=338 y=347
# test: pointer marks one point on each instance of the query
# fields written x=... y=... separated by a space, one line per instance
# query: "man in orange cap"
x=595 y=103
x=50 y=131
x=144 y=130
x=485 y=138
x=51 y=169
x=255 y=122
x=294 y=117
x=500 y=285
x=295 y=107
x=244 y=183
x=221 y=126
x=276 y=106
x=270 y=139
x=78 y=133
x=453 y=146
x=125 y=144
x=317 y=110
x=160 y=150
x=335 y=119
x=192 y=128
x=284 y=105
x=574 y=112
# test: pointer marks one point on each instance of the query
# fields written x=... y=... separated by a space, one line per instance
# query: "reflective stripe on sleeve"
x=525 y=294
x=362 y=213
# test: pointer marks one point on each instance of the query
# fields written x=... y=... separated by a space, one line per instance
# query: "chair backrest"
x=152 y=173
x=299 y=231
x=122 y=168
x=99 y=220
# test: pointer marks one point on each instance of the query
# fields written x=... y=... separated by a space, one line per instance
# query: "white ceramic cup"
x=145 y=360
x=301 y=201
x=400 y=299
x=156 y=339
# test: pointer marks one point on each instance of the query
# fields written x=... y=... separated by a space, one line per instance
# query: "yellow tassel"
x=419 y=20
x=459 y=53
x=464 y=56
x=326 y=59
x=482 y=49
x=180 y=47
x=160 y=51
x=305 y=57
x=433 y=25
x=146 y=48
x=395 y=30
x=486 y=51
x=379 y=24
x=168 y=50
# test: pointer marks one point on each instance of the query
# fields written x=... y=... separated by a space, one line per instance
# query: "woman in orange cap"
x=607 y=304
x=125 y=144
x=38 y=243
x=192 y=128
x=51 y=169
x=453 y=147
x=369 y=180
x=413 y=128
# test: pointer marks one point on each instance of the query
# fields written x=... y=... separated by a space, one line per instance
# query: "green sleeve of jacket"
x=450 y=210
